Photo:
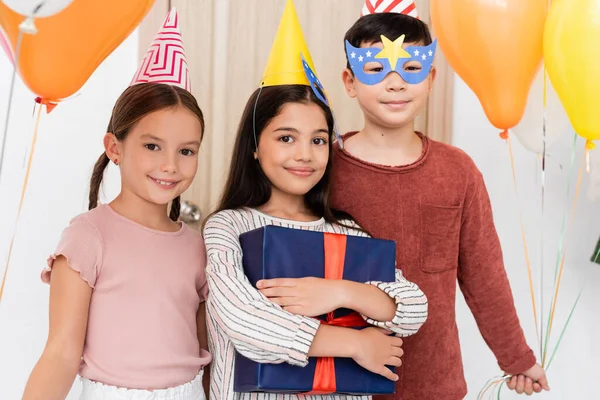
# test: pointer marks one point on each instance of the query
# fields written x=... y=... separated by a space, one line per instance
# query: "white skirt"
x=97 y=391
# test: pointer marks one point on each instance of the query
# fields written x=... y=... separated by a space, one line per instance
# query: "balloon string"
x=562 y=264
x=500 y=388
x=589 y=146
x=489 y=385
x=561 y=236
x=23 y=191
x=587 y=161
x=564 y=329
x=564 y=217
x=10 y=100
x=505 y=136
x=545 y=88
x=543 y=201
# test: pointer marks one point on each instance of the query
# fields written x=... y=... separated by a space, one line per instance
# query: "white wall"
x=69 y=142
x=574 y=372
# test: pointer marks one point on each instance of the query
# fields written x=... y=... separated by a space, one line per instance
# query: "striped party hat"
x=407 y=7
x=165 y=60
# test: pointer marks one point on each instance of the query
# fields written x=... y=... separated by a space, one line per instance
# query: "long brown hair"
x=247 y=185
x=134 y=104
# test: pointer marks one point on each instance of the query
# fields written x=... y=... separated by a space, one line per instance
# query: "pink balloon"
x=6 y=47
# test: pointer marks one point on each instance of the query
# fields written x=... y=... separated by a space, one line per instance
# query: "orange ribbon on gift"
x=335 y=253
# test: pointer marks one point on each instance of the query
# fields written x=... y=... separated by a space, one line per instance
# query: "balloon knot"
x=504 y=134
x=49 y=104
x=590 y=145
x=28 y=26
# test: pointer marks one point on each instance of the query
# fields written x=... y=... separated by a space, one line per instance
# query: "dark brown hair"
x=369 y=28
x=247 y=185
x=134 y=104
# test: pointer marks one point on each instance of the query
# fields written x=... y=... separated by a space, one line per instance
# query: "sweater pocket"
x=440 y=233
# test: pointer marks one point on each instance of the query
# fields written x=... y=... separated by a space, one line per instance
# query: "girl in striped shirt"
x=280 y=176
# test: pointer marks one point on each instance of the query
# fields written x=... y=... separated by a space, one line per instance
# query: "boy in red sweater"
x=431 y=199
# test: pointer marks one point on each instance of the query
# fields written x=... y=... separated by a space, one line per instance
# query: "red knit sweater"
x=438 y=212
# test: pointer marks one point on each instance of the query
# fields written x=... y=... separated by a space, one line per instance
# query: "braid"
x=175 y=208
x=96 y=180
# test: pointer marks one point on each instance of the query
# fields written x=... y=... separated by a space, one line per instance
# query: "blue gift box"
x=277 y=252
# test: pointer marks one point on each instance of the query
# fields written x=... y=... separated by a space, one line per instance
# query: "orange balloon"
x=496 y=47
x=69 y=46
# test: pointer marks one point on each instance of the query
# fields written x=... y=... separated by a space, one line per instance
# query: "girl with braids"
x=127 y=281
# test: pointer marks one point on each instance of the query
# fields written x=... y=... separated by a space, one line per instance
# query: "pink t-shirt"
x=147 y=287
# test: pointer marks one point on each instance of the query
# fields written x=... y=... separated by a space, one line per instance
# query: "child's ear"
x=432 y=75
x=349 y=79
x=112 y=147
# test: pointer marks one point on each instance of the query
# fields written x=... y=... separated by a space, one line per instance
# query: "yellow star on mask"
x=393 y=50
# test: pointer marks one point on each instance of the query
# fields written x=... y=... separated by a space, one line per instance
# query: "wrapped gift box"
x=277 y=252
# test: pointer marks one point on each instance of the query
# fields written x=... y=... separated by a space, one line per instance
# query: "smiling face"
x=391 y=103
x=293 y=148
x=159 y=157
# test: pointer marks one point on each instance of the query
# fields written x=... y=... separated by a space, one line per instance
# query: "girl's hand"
x=376 y=349
x=310 y=297
x=530 y=381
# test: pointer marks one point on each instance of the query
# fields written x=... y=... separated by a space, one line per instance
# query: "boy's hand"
x=304 y=296
x=530 y=381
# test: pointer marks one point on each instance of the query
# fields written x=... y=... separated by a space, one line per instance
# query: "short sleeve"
x=81 y=245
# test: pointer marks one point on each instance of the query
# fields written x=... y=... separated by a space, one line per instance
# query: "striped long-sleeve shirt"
x=241 y=318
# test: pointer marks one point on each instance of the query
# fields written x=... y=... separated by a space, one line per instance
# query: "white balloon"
x=37 y=8
x=530 y=130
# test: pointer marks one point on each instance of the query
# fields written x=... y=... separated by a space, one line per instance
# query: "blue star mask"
x=412 y=63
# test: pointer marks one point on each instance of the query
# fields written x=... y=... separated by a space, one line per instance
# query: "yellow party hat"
x=285 y=64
